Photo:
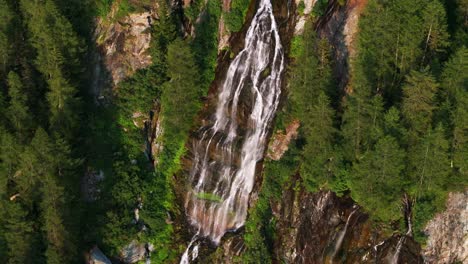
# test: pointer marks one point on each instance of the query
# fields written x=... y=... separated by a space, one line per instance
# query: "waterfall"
x=226 y=153
x=185 y=256
x=398 y=249
x=342 y=235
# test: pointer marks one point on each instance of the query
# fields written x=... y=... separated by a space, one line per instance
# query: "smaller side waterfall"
x=398 y=249
x=185 y=257
x=339 y=241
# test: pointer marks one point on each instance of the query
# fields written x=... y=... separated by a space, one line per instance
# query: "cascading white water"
x=339 y=241
x=396 y=255
x=227 y=152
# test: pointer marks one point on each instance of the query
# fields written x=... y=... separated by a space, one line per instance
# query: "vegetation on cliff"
x=400 y=129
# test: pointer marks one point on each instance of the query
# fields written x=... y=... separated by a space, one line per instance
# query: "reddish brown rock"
x=280 y=140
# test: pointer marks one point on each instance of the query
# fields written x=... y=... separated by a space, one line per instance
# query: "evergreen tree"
x=429 y=163
x=58 y=51
x=18 y=234
x=435 y=27
x=418 y=103
x=318 y=152
x=362 y=122
x=454 y=85
x=180 y=97
x=6 y=27
x=164 y=32
x=429 y=171
x=376 y=180
x=18 y=110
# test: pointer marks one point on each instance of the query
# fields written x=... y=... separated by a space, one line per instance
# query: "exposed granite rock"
x=154 y=130
x=133 y=252
x=124 y=43
x=279 y=142
x=90 y=188
x=96 y=256
x=309 y=4
x=448 y=232
x=354 y=9
x=223 y=32
x=139 y=119
x=340 y=26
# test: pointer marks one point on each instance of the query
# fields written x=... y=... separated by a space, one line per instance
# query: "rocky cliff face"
x=340 y=26
x=448 y=232
x=123 y=43
x=324 y=228
x=279 y=143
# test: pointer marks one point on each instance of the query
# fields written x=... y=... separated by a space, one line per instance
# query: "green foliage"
x=18 y=110
x=319 y=162
x=58 y=52
x=6 y=17
x=234 y=19
x=301 y=8
x=260 y=226
x=402 y=127
x=320 y=7
x=454 y=90
x=376 y=180
x=205 y=44
x=429 y=164
x=209 y=197
x=386 y=84
x=180 y=98
x=311 y=80
x=418 y=102
x=457 y=11
x=103 y=7
x=390 y=49
x=124 y=7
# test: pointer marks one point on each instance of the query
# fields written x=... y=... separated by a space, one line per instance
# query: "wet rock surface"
x=96 y=256
x=325 y=228
x=448 y=232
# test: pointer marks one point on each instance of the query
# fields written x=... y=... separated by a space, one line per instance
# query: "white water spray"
x=226 y=154
x=185 y=256
x=342 y=235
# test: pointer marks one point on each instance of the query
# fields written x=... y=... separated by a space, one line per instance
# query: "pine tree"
x=376 y=180
x=435 y=28
x=318 y=151
x=18 y=110
x=180 y=97
x=429 y=162
x=58 y=51
x=164 y=32
x=6 y=27
x=362 y=122
x=454 y=85
x=18 y=234
x=38 y=185
x=418 y=103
